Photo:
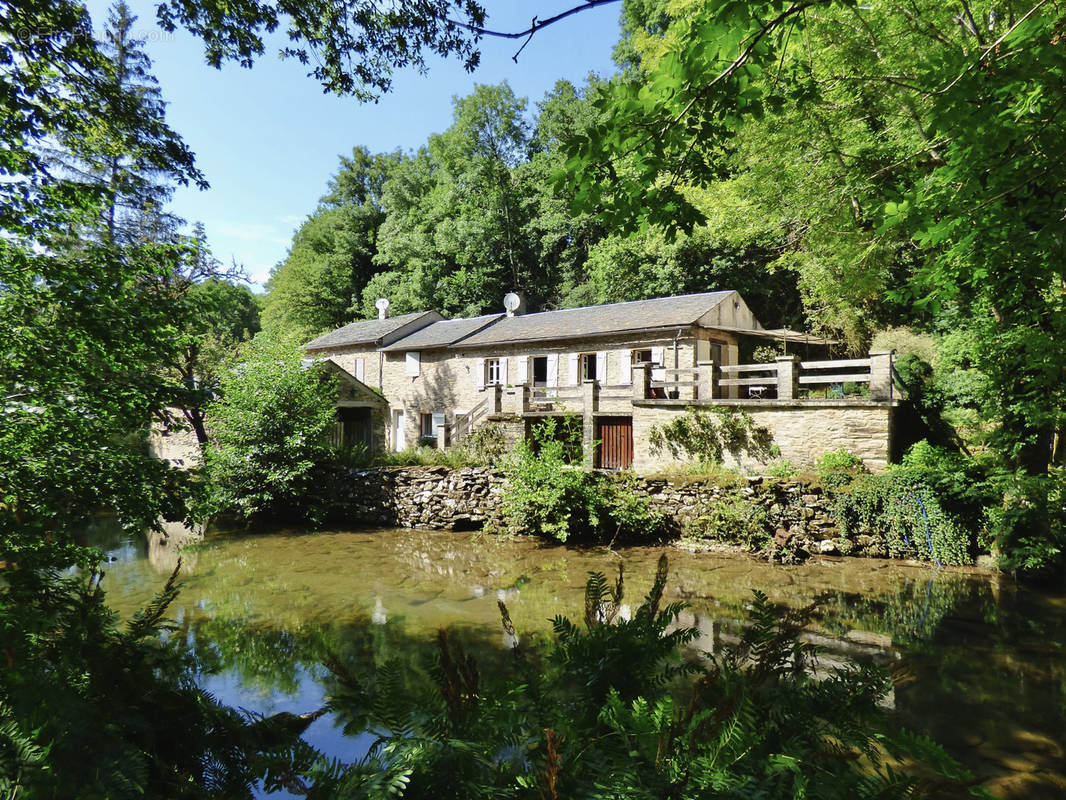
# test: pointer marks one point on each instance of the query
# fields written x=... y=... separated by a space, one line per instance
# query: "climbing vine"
x=706 y=435
x=907 y=513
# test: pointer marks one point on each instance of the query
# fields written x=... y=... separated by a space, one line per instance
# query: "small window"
x=492 y=371
x=429 y=425
x=588 y=367
x=642 y=356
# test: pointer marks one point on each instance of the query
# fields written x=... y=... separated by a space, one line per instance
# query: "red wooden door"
x=615 y=435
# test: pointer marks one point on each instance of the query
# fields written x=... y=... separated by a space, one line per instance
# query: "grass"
x=704 y=472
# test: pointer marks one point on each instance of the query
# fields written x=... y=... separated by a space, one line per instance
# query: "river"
x=986 y=656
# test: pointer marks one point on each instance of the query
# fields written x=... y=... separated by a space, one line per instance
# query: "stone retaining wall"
x=420 y=497
x=803 y=430
x=797 y=515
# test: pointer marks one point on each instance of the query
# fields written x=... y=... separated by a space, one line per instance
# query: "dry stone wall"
x=420 y=497
x=797 y=516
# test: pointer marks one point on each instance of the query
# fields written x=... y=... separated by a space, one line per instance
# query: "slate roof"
x=570 y=323
x=367 y=330
x=443 y=333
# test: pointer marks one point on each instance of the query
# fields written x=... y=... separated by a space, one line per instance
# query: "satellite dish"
x=382 y=305
x=511 y=302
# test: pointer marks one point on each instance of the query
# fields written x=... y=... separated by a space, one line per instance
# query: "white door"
x=399 y=441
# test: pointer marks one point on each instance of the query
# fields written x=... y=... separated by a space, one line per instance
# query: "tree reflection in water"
x=268 y=610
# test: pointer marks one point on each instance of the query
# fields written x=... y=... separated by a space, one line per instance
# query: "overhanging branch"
x=534 y=25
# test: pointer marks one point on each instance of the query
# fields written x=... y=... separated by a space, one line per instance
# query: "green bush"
x=484 y=447
x=781 y=468
x=839 y=468
x=734 y=520
x=546 y=496
x=270 y=451
x=1029 y=525
x=908 y=513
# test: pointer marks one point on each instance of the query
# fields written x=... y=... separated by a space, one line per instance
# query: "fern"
x=612 y=709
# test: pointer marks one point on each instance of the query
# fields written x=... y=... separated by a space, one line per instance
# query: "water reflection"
x=173 y=543
x=264 y=612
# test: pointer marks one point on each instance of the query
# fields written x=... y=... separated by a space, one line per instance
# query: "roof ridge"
x=630 y=302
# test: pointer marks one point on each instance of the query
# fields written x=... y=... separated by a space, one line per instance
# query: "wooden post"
x=881 y=375
x=787 y=377
x=641 y=381
x=708 y=380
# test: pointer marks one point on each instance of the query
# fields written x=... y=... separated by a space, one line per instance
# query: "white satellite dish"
x=382 y=305
x=511 y=302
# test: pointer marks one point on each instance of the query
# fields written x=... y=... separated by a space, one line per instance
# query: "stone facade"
x=361 y=360
x=451 y=381
x=637 y=363
x=797 y=516
x=804 y=430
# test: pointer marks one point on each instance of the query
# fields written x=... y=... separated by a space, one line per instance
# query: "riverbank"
x=784 y=519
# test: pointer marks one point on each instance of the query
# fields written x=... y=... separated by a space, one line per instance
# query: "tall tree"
x=463 y=221
x=905 y=149
x=320 y=283
x=134 y=174
x=85 y=330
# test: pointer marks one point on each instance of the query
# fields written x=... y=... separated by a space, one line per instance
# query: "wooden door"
x=615 y=435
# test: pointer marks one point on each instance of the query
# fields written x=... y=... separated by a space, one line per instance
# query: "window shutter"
x=503 y=370
x=522 y=378
x=574 y=358
x=553 y=370
x=414 y=364
x=657 y=356
x=625 y=366
x=438 y=422
x=601 y=367
x=479 y=368
x=359 y=369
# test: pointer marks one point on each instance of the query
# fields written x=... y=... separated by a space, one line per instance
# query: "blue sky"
x=268 y=139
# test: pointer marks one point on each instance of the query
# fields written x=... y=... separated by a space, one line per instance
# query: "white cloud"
x=258 y=276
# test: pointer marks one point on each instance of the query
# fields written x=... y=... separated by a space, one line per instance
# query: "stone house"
x=622 y=367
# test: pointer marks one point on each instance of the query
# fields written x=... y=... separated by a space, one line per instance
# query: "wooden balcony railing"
x=784 y=379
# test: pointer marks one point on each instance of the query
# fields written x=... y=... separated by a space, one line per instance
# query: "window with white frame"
x=493 y=375
x=588 y=366
x=431 y=423
x=642 y=356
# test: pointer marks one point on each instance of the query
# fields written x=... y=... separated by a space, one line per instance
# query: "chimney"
x=514 y=303
x=382 y=305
